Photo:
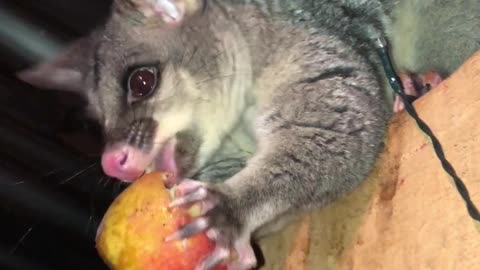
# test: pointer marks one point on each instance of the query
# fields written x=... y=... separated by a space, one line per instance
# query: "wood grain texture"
x=408 y=214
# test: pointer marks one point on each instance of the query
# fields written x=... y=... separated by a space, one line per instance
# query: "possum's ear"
x=172 y=12
x=66 y=71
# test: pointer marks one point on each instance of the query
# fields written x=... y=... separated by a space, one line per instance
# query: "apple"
x=131 y=235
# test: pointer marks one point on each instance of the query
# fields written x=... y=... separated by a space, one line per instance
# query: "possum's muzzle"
x=135 y=153
x=127 y=163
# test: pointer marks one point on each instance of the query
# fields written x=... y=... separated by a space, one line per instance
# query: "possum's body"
x=277 y=105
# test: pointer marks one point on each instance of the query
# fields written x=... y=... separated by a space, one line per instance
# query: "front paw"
x=217 y=218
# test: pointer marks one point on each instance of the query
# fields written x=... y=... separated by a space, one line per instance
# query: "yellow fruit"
x=132 y=233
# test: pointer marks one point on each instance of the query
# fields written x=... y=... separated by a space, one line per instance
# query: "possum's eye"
x=142 y=82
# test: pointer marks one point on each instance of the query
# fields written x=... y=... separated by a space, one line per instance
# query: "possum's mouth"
x=127 y=163
x=165 y=161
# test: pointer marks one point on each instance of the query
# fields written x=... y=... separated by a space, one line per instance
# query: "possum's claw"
x=197 y=226
x=430 y=80
x=410 y=90
x=416 y=86
x=240 y=257
x=217 y=220
x=218 y=256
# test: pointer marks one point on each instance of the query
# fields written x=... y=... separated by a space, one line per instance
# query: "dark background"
x=52 y=190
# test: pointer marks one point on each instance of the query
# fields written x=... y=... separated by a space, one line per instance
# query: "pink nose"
x=124 y=162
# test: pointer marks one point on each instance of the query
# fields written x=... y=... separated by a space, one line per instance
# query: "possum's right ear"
x=66 y=71
x=171 y=12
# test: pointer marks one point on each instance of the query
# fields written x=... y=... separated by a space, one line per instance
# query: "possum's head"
x=153 y=75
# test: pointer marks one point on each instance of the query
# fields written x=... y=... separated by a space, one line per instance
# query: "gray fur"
x=318 y=124
x=278 y=103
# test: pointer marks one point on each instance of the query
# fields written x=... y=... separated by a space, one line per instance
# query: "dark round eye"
x=142 y=81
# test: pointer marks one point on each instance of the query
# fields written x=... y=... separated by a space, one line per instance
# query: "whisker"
x=78 y=173
x=89 y=223
x=92 y=205
x=100 y=180
x=108 y=181
x=21 y=240
x=13 y=184
x=53 y=172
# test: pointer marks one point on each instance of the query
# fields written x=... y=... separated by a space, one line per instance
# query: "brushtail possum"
x=262 y=109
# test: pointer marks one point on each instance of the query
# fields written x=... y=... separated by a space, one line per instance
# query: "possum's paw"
x=217 y=218
x=430 y=80
x=416 y=86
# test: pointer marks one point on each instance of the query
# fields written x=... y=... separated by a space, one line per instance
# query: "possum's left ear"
x=172 y=12
x=66 y=71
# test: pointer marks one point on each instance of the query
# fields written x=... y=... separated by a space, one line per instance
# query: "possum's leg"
x=317 y=140
x=415 y=86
